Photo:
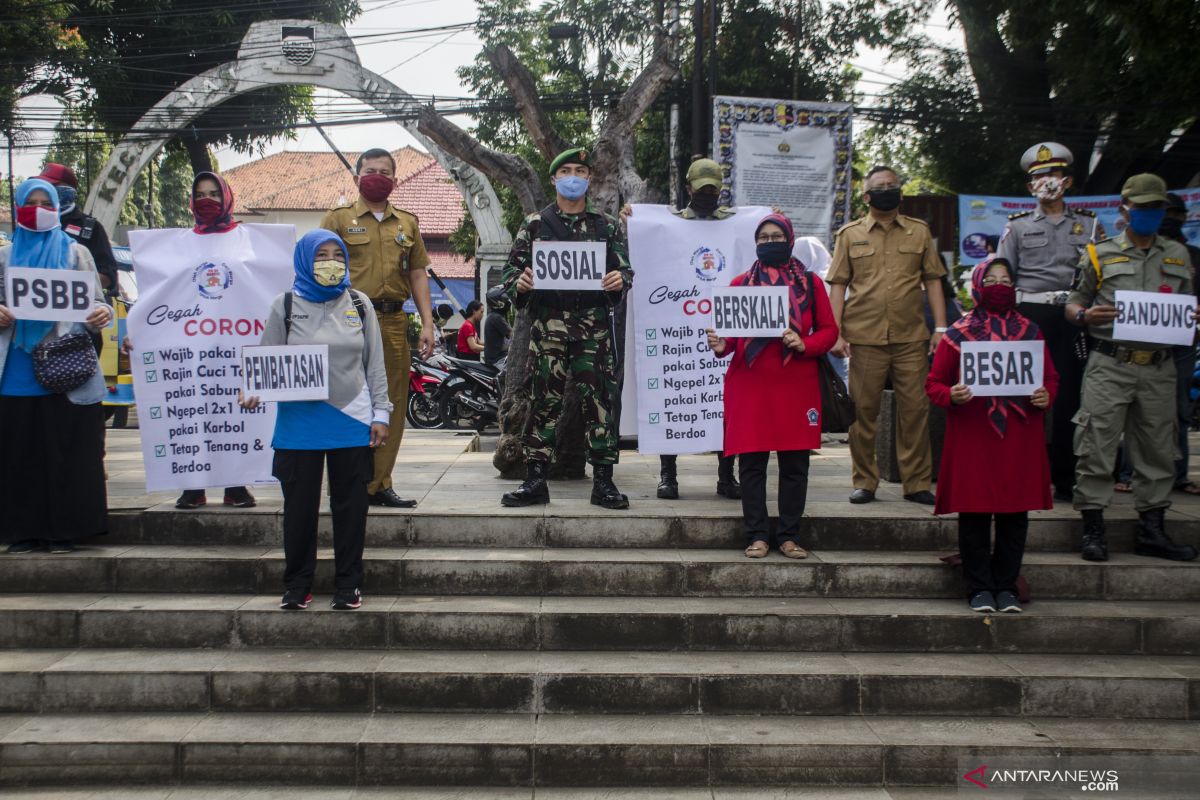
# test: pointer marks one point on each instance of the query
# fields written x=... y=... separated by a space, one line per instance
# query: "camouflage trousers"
x=590 y=362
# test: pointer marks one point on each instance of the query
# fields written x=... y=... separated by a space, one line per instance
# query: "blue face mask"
x=66 y=199
x=1145 y=221
x=571 y=188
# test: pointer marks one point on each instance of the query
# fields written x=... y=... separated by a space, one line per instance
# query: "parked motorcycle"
x=470 y=397
x=424 y=383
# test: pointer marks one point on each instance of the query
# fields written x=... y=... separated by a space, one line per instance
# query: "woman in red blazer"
x=772 y=397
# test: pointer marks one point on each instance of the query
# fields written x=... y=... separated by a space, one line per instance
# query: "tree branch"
x=513 y=171
x=524 y=91
x=638 y=98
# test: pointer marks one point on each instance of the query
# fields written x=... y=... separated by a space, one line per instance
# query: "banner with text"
x=1155 y=318
x=201 y=299
x=981 y=216
x=286 y=372
x=790 y=154
x=750 y=311
x=1002 y=369
x=50 y=295
x=568 y=265
x=679 y=383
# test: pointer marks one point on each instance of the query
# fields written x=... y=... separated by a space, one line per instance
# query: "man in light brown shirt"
x=880 y=263
x=387 y=264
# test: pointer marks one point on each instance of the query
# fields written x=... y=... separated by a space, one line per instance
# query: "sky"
x=427 y=65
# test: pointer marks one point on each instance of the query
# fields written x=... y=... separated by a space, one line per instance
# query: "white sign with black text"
x=750 y=310
x=1155 y=318
x=1002 y=369
x=50 y=295
x=570 y=266
x=286 y=372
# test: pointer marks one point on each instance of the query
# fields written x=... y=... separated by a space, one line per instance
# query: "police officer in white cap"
x=1043 y=246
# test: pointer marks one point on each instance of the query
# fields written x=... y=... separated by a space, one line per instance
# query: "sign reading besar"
x=570 y=266
x=1002 y=369
x=50 y=295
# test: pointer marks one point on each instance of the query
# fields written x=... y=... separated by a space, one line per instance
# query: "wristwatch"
x=939 y=330
x=1080 y=316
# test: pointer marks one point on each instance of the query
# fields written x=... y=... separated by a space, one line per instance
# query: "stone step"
x=525 y=750
x=229 y=792
x=600 y=623
x=894 y=526
x=587 y=571
x=812 y=684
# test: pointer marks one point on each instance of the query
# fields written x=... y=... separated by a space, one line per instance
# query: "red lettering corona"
x=702 y=306
x=223 y=327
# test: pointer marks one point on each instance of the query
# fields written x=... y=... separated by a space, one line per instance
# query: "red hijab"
x=223 y=221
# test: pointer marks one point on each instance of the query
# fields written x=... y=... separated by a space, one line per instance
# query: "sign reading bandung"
x=50 y=295
x=1002 y=369
x=750 y=310
x=1155 y=318
x=286 y=372
x=569 y=265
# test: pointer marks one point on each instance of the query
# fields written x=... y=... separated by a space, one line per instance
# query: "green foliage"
x=38 y=53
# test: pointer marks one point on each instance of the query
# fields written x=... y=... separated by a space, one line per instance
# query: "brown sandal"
x=793 y=550
x=757 y=550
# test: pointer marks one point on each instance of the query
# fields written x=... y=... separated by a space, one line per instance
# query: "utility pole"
x=712 y=69
x=150 y=195
x=12 y=197
x=673 y=126
x=698 y=114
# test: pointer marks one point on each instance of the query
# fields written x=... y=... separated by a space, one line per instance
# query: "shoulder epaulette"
x=1086 y=212
x=849 y=224
x=1019 y=214
x=916 y=219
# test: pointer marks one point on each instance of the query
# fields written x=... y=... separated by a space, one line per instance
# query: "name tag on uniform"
x=571 y=266
x=1176 y=261
x=358 y=229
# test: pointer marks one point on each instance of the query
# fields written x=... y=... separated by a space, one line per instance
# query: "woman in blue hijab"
x=322 y=309
x=51 y=444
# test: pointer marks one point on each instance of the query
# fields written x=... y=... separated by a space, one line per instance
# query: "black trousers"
x=299 y=473
x=793 y=491
x=724 y=464
x=1060 y=337
x=983 y=568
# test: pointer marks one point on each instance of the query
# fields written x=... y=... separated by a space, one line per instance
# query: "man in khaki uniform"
x=1128 y=386
x=883 y=259
x=387 y=263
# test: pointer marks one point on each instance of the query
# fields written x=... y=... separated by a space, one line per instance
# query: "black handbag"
x=837 y=409
x=64 y=363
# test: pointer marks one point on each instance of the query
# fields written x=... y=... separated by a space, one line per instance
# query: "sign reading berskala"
x=286 y=372
x=202 y=298
x=750 y=311
x=568 y=265
x=1002 y=369
x=50 y=295
x=1155 y=318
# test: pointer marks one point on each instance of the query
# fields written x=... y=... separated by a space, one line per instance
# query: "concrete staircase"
x=520 y=654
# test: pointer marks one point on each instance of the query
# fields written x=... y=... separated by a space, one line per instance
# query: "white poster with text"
x=1155 y=318
x=286 y=372
x=50 y=295
x=754 y=311
x=201 y=299
x=569 y=266
x=1002 y=369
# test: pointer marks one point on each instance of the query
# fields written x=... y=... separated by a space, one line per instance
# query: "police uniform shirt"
x=1044 y=251
x=381 y=251
x=1163 y=267
x=885 y=268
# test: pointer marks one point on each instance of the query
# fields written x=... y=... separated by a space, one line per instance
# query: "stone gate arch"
x=290 y=52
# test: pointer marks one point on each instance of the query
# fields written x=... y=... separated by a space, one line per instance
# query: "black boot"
x=727 y=484
x=1094 y=547
x=668 y=484
x=1152 y=540
x=533 y=491
x=604 y=491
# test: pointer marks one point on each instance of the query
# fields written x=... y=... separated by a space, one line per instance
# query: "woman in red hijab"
x=772 y=397
x=994 y=460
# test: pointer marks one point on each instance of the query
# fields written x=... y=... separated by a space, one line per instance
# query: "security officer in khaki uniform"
x=1128 y=387
x=387 y=264
x=885 y=259
x=1043 y=246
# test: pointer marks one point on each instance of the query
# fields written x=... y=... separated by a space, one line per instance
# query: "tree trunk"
x=198 y=154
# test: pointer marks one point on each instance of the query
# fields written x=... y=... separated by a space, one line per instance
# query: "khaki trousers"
x=394 y=329
x=870 y=366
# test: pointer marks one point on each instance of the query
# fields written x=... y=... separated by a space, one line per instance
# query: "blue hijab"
x=305 y=254
x=45 y=249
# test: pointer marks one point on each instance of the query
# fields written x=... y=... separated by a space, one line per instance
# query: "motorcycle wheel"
x=456 y=415
x=423 y=411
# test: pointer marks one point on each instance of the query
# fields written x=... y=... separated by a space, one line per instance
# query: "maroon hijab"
x=224 y=221
x=791 y=275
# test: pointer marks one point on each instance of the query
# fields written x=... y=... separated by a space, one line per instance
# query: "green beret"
x=576 y=155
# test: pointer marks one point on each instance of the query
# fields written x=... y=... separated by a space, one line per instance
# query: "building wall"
x=304 y=221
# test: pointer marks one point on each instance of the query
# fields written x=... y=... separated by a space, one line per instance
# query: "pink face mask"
x=37 y=218
x=1049 y=187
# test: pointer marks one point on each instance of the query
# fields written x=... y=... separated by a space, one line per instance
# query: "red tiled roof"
x=433 y=197
x=446 y=263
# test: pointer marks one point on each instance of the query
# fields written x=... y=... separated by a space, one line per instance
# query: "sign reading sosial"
x=1002 y=369
x=50 y=295
x=750 y=310
x=571 y=266
x=286 y=372
x=1155 y=318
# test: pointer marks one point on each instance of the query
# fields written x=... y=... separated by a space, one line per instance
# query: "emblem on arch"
x=298 y=43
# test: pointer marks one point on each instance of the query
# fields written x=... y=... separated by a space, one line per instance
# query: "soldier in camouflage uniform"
x=571 y=334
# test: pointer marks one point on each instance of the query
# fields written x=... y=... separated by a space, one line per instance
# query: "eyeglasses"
x=995 y=281
x=770 y=238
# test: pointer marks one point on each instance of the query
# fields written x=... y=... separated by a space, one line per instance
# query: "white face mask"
x=1049 y=187
x=329 y=273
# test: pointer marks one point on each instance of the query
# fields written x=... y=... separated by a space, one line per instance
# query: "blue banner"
x=463 y=290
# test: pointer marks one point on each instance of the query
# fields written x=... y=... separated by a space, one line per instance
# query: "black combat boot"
x=1094 y=547
x=668 y=484
x=1152 y=540
x=727 y=484
x=533 y=491
x=604 y=491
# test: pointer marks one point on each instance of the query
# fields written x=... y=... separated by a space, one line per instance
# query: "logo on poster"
x=708 y=263
x=212 y=280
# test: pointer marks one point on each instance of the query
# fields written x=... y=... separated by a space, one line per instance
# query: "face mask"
x=1171 y=228
x=998 y=298
x=1049 y=188
x=571 y=188
x=774 y=254
x=1145 y=221
x=375 y=188
x=206 y=210
x=66 y=199
x=884 y=200
x=329 y=273
x=36 y=218
x=705 y=203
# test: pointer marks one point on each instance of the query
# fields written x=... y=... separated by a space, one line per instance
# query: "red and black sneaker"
x=191 y=499
x=346 y=599
x=295 y=599
x=239 y=497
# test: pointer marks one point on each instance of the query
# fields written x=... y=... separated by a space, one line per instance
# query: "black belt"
x=388 y=306
x=1143 y=358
